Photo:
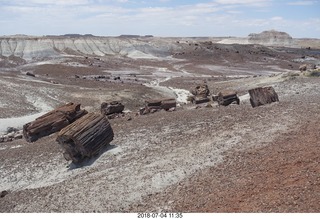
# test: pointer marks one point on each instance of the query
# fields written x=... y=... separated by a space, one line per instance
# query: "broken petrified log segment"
x=201 y=93
x=198 y=100
x=262 y=95
x=112 y=107
x=165 y=104
x=227 y=97
x=30 y=74
x=303 y=68
x=201 y=90
x=52 y=121
x=85 y=137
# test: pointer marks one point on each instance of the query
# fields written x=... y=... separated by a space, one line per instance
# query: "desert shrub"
x=314 y=73
x=291 y=75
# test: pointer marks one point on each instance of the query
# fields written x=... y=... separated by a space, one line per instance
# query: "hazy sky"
x=160 y=17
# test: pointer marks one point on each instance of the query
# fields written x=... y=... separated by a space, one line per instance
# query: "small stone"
x=153 y=110
x=3 y=193
x=17 y=136
x=11 y=135
x=11 y=129
x=30 y=74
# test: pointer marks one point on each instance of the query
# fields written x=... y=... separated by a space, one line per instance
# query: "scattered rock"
x=30 y=74
x=3 y=193
x=10 y=135
x=154 y=110
x=18 y=136
x=303 y=68
x=12 y=129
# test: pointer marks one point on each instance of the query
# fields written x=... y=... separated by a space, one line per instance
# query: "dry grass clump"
x=291 y=75
x=314 y=73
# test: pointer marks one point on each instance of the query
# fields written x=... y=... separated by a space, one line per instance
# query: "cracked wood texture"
x=86 y=137
x=262 y=95
x=52 y=121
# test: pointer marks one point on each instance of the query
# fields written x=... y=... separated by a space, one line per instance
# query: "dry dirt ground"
x=207 y=159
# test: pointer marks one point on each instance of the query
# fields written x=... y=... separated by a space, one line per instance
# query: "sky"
x=160 y=17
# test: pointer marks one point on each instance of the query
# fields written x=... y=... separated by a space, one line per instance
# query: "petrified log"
x=303 y=68
x=227 y=97
x=85 y=137
x=262 y=95
x=112 y=107
x=198 y=100
x=161 y=103
x=30 y=74
x=52 y=121
x=201 y=90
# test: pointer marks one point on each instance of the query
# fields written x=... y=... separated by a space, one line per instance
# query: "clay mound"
x=271 y=37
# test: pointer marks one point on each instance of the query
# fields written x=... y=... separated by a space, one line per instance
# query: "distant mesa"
x=271 y=37
x=73 y=35
x=133 y=36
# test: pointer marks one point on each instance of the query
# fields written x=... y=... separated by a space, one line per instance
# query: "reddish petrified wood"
x=85 y=137
x=52 y=121
x=262 y=95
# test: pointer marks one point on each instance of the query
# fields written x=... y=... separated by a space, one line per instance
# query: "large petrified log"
x=85 y=137
x=52 y=121
x=262 y=95
x=112 y=107
x=227 y=97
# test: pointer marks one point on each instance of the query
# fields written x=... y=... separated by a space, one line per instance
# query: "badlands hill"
x=53 y=46
x=271 y=37
x=33 y=47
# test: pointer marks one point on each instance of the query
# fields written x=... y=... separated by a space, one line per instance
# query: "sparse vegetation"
x=291 y=75
x=314 y=73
